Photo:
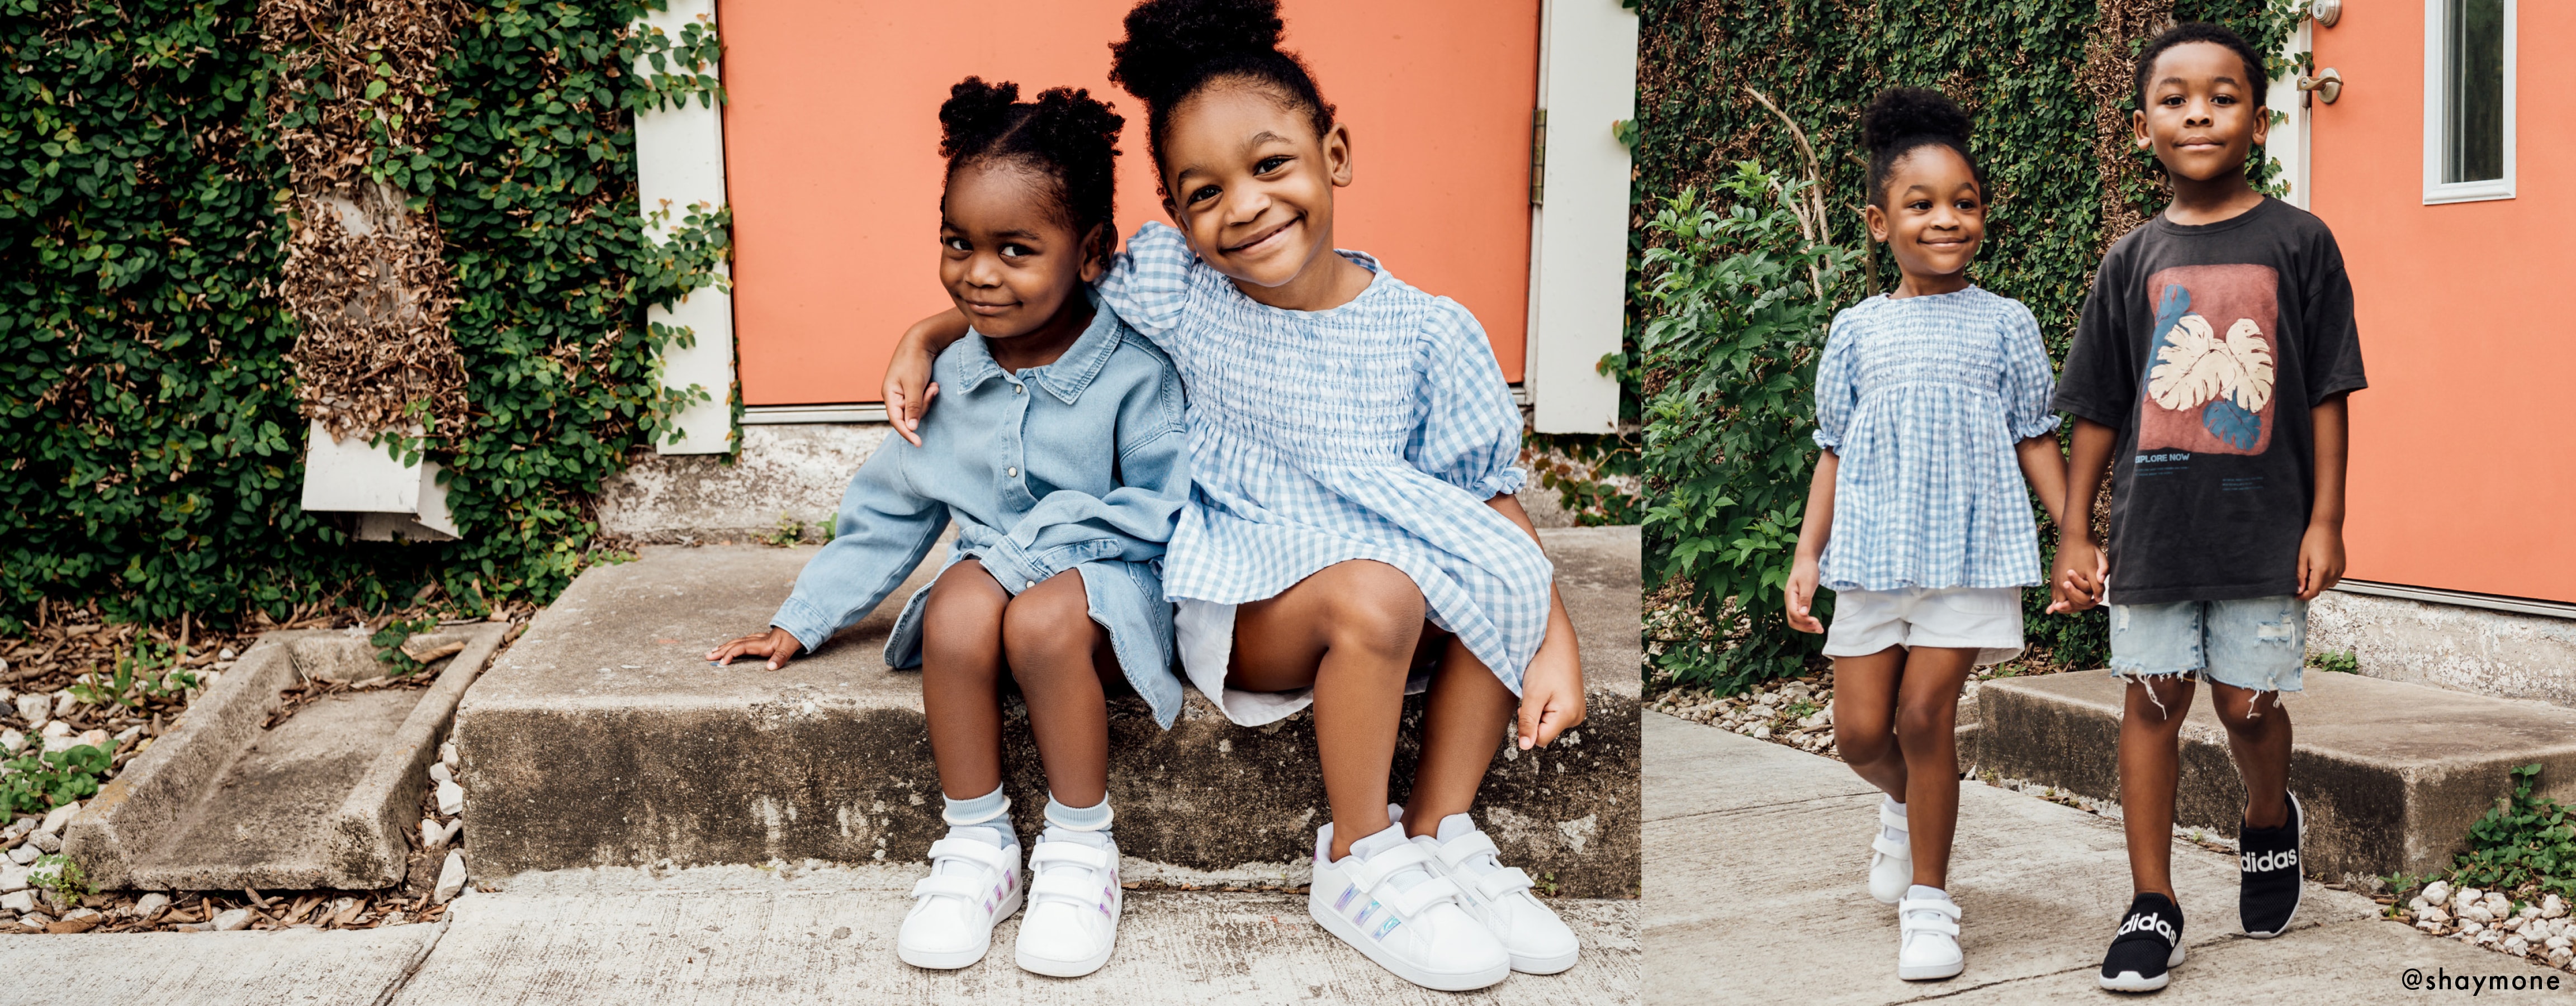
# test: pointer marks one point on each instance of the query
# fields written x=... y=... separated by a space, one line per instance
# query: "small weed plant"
x=146 y=673
x=58 y=875
x=389 y=641
x=2522 y=844
x=39 y=782
x=2344 y=662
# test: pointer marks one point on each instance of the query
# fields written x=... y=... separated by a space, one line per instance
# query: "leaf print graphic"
x=2195 y=366
x=2239 y=428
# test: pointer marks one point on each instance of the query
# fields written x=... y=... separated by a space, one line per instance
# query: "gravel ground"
x=38 y=710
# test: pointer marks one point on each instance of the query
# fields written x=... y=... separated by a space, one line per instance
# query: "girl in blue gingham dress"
x=1352 y=533
x=1927 y=401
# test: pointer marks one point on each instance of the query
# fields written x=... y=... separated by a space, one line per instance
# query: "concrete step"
x=602 y=739
x=323 y=800
x=2390 y=774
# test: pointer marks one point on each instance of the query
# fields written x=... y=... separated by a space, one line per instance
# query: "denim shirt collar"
x=1067 y=376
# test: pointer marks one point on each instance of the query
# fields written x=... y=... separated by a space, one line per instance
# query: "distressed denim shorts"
x=2258 y=643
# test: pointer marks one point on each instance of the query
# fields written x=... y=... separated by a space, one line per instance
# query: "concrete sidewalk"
x=745 y=935
x=1755 y=885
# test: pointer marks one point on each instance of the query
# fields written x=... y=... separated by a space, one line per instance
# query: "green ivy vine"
x=148 y=429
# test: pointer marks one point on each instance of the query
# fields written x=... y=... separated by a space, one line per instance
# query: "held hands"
x=1551 y=696
x=2078 y=577
x=778 y=645
x=908 y=388
x=1799 y=595
x=2320 y=560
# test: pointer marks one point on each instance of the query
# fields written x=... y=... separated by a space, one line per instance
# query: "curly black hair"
x=1065 y=135
x=2256 y=82
x=1902 y=120
x=1175 y=48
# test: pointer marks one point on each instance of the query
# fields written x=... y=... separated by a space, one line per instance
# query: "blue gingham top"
x=1373 y=430
x=1922 y=399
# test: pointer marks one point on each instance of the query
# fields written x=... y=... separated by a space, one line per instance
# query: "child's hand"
x=2320 y=560
x=908 y=391
x=777 y=644
x=2075 y=583
x=1799 y=595
x=1551 y=696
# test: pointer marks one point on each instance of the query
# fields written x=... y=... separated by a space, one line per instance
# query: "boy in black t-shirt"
x=2211 y=362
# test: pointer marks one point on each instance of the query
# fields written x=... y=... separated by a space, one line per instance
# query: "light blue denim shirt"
x=1076 y=465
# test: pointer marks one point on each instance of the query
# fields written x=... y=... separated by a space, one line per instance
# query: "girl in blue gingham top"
x=1927 y=399
x=1352 y=532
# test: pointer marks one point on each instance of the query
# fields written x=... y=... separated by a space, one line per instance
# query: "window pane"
x=2473 y=150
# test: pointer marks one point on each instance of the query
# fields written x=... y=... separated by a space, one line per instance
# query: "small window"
x=2468 y=100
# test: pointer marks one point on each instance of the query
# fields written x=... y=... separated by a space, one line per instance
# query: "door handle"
x=2327 y=84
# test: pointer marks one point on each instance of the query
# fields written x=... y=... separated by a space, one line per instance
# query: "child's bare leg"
x=961 y=679
x=2150 y=765
x=1865 y=718
x=1462 y=727
x=1927 y=716
x=1348 y=632
x=2258 y=734
x=1063 y=663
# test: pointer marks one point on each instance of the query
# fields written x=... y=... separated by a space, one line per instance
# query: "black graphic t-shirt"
x=2206 y=346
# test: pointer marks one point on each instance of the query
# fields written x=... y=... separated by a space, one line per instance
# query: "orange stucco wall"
x=2464 y=447
x=832 y=167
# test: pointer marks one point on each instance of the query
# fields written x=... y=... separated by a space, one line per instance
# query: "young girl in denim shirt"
x=1352 y=519
x=1059 y=456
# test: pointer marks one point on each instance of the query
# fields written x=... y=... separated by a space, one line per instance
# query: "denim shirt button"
x=1012 y=472
x=1019 y=389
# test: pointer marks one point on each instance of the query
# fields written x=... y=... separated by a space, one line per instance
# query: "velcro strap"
x=1411 y=902
x=1372 y=871
x=1503 y=881
x=989 y=857
x=1892 y=847
x=1066 y=886
x=1890 y=819
x=1075 y=853
x=951 y=885
x=1458 y=851
x=1915 y=925
x=1909 y=911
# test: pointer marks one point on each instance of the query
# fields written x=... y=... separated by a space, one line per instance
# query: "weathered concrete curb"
x=246 y=968
x=603 y=740
x=2391 y=775
x=125 y=836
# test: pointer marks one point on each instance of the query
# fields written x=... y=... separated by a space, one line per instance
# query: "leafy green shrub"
x=37 y=782
x=2522 y=842
x=389 y=641
x=145 y=672
x=1737 y=301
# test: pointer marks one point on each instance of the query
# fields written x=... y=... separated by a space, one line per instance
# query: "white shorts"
x=1986 y=619
x=1205 y=633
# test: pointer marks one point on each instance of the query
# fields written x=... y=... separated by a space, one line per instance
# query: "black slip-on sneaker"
x=2147 y=946
x=2268 y=861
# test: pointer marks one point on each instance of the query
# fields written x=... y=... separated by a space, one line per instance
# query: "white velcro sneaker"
x=1414 y=926
x=1891 y=858
x=971 y=886
x=1074 y=903
x=1500 y=897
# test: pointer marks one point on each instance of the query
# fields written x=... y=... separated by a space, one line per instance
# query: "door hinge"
x=1538 y=157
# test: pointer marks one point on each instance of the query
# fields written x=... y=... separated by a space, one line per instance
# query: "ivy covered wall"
x=150 y=437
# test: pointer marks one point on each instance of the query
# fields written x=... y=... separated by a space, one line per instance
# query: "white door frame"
x=1587 y=84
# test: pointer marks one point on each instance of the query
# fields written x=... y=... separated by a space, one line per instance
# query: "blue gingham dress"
x=1923 y=399
x=1373 y=430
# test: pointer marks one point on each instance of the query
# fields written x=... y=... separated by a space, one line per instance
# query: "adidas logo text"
x=2152 y=922
x=2261 y=862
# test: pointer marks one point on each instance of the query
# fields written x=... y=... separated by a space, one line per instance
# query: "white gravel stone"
x=447 y=755
x=129 y=735
x=451 y=798
x=226 y=654
x=149 y=905
x=47 y=841
x=2561 y=956
x=34 y=709
x=81 y=913
x=60 y=817
x=2516 y=946
x=21 y=901
x=35 y=919
x=63 y=702
x=1762 y=731
x=453 y=827
x=2467 y=896
x=12 y=740
x=25 y=854
x=13 y=877
x=94 y=738
x=451 y=878
x=2471 y=927
x=431 y=832
x=238 y=918
x=2438 y=892
x=438 y=770
x=2553 y=907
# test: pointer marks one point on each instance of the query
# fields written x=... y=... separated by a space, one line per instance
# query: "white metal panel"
x=2437 y=113
x=352 y=474
x=2288 y=144
x=1579 y=234
x=679 y=165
